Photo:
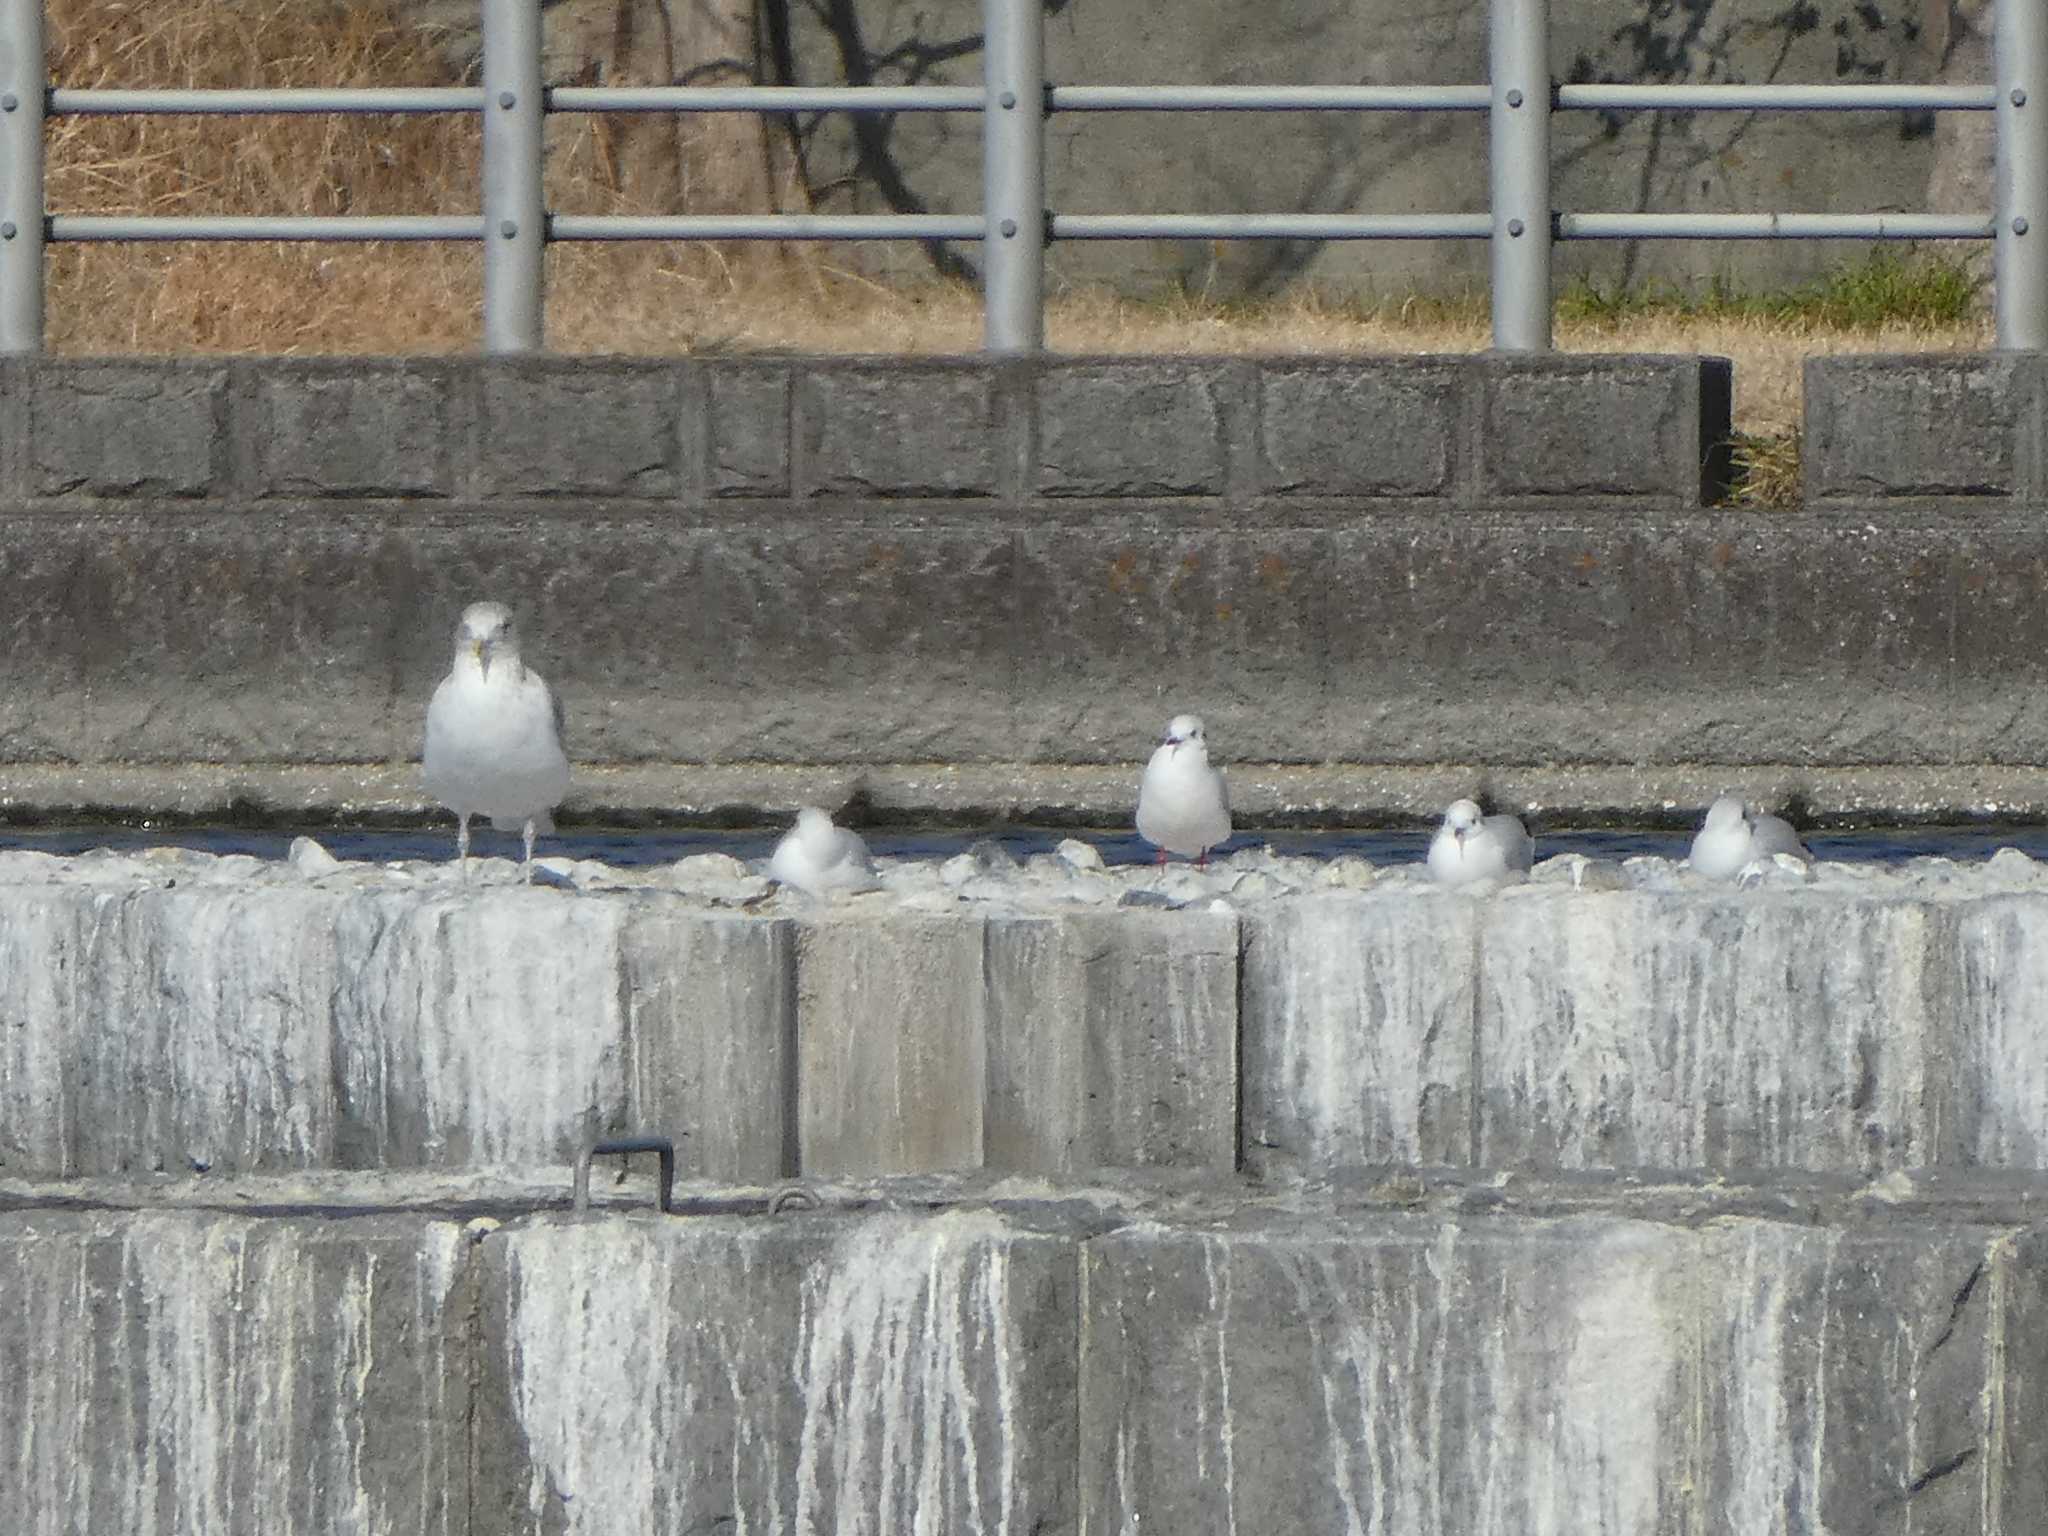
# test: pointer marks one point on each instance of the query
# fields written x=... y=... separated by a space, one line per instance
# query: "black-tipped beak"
x=484 y=648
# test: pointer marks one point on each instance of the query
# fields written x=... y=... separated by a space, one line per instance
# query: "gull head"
x=813 y=826
x=1183 y=729
x=1724 y=813
x=1462 y=817
x=485 y=632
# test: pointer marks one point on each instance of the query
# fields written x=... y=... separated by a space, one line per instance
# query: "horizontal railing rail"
x=303 y=101
x=1015 y=221
x=147 y=228
x=763 y=98
x=1777 y=98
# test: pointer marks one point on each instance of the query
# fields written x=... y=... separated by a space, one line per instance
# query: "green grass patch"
x=1887 y=287
x=1188 y=301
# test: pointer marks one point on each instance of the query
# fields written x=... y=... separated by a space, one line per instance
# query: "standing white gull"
x=494 y=736
x=1735 y=836
x=1470 y=846
x=819 y=858
x=1183 y=803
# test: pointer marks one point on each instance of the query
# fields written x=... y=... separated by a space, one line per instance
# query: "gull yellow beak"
x=481 y=649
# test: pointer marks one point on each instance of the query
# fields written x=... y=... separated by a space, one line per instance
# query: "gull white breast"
x=1183 y=803
x=494 y=735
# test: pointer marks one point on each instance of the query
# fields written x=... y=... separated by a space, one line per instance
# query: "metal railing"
x=1015 y=223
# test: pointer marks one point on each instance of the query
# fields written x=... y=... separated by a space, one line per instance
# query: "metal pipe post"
x=1013 y=176
x=515 y=233
x=2021 y=43
x=1519 y=45
x=22 y=85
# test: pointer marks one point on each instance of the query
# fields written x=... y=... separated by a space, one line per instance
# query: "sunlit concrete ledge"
x=1285 y=1016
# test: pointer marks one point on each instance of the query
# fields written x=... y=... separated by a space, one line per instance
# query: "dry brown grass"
x=1767 y=468
x=425 y=299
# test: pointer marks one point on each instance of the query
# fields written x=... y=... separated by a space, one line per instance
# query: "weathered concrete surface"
x=1186 y=431
x=2019 y=1326
x=178 y=1372
x=892 y=1043
x=1407 y=1412
x=1573 y=640
x=1851 y=1378
x=194 y=1034
x=1406 y=563
x=892 y=1374
x=1053 y=1042
x=1358 y=1031
x=1419 y=1376
x=710 y=1005
x=186 y=1026
x=1764 y=1029
x=1965 y=427
x=172 y=1012
x=1112 y=1041
x=2001 y=1058
x=1681 y=1028
x=1381 y=1378
x=922 y=1356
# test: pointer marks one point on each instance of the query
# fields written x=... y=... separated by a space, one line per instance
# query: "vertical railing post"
x=515 y=235
x=2020 y=42
x=22 y=84
x=1519 y=47
x=1013 y=175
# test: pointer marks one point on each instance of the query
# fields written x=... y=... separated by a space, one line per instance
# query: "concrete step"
x=195 y=1013
x=1409 y=1353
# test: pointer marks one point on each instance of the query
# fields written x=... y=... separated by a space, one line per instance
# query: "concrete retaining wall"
x=1399 y=562
x=1035 y=1365
x=254 y=564
x=217 y=1028
x=1444 y=431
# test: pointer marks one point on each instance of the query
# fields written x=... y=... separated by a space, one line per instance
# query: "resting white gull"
x=1470 y=846
x=819 y=858
x=1734 y=837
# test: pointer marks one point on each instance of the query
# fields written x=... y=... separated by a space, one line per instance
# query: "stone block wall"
x=218 y=1030
x=1444 y=432
x=1405 y=562
x=1649 y=1361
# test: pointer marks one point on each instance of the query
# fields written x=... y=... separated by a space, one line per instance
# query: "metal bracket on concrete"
x=625 y=1146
